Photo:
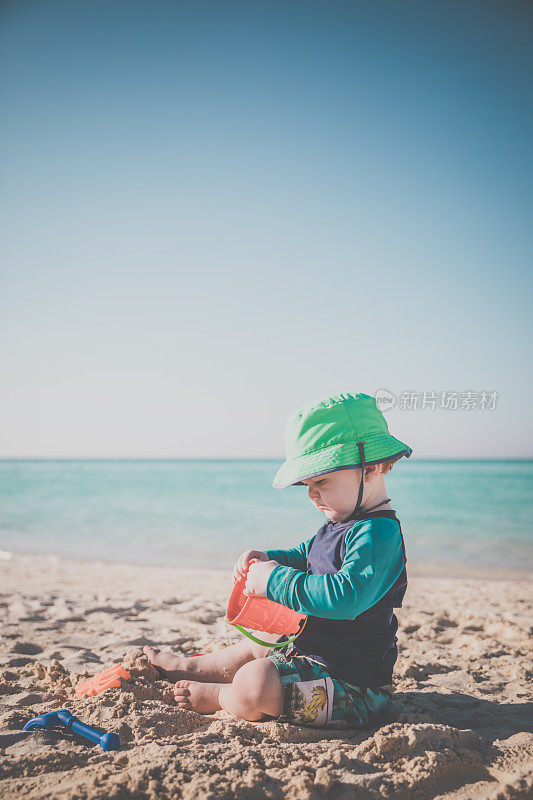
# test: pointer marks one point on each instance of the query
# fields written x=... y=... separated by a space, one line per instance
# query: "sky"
x=212 y=213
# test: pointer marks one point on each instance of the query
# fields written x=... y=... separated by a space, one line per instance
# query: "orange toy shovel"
x=107 y=679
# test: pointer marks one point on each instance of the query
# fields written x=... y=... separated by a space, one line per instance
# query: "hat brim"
x=379 y=448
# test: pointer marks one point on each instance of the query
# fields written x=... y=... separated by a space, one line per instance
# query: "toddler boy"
x=347 y=578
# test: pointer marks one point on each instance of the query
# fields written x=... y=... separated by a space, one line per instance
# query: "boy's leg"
x=217 y=667
x=256 y=692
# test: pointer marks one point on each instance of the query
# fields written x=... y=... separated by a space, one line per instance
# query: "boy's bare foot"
x=170 y=666
x=196 y=696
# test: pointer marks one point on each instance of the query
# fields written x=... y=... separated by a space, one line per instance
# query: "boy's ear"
x=373 y=471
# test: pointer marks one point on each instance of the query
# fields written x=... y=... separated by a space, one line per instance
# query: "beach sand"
x=459 y=726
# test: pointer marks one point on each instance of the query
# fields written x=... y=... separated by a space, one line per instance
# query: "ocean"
x=206 y=512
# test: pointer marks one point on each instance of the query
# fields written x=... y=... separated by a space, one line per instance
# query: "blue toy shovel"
x=107 y=741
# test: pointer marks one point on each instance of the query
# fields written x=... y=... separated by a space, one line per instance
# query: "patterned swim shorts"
x=312 y=697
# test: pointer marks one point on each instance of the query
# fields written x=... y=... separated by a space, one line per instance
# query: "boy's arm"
x=373 y=561
x=294 y=556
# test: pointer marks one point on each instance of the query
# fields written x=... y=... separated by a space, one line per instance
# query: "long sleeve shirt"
x=373 y=560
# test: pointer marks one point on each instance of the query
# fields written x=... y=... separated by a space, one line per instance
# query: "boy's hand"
x=257 y=579
x=239 y=570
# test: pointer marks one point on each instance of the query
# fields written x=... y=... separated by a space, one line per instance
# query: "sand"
x=460 y=725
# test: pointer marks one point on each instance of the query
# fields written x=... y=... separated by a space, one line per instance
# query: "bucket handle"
x=266 y=644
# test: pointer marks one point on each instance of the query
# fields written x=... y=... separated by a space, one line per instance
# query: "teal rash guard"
x=372 y=562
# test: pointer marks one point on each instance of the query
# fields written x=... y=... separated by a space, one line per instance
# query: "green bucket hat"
x=335 y=432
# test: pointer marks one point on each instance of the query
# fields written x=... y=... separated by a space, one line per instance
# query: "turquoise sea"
x=192 y=512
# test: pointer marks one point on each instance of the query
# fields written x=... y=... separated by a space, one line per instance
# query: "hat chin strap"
x=357 y=508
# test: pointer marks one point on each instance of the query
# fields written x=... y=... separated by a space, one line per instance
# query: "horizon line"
x=238 y=458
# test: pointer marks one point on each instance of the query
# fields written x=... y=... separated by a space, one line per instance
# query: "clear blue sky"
x=214 y=212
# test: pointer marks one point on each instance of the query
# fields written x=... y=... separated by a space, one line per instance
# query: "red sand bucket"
x=261 y=614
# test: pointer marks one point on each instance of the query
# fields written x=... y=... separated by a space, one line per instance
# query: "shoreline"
x=449 y=570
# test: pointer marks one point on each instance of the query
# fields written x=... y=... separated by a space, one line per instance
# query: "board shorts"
x=314 y=698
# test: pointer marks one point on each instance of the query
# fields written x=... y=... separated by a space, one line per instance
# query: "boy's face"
x=335 y=494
